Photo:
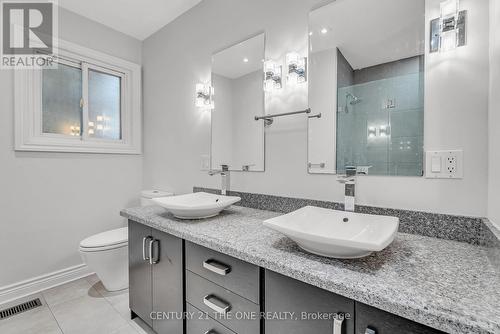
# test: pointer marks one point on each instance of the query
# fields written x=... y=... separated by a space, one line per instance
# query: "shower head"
x=354 y=99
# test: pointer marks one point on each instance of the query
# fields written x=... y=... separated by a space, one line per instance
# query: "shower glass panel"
x=380 y=125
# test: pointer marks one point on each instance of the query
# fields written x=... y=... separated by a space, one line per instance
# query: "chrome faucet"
x=349 y=181
x=225 y=178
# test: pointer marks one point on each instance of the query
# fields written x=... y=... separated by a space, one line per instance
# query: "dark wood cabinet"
x=237 y=276
x=200 y=323
x=156 y=276
x=160 y=265
x=300 y=308
x=225 y=288
x=139 y=272
x=370 y=320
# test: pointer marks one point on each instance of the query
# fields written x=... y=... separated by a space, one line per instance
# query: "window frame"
x=29 y=135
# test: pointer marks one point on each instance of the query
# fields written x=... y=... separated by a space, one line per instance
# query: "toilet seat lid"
x=108 y=238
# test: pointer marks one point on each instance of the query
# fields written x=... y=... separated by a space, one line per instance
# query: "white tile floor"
x=78 y=307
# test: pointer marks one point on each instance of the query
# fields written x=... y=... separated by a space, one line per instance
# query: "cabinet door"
x=168 y=282
x=297 y=307
x=139 y=271
x=375 y=321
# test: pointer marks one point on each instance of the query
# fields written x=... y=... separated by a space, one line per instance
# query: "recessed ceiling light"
x=324 y=31
x=245 y=60
x=310 y=33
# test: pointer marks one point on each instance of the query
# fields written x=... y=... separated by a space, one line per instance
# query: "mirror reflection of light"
x=324 y=31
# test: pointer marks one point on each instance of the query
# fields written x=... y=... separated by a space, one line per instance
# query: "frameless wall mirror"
x=237 y=76
x=366 y=78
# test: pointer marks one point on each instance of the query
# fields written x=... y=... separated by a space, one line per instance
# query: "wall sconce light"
x=204 y=96
x=272 y=74
x=384 y=131
x=449 y=30
x=297 y=68
x=372 y=132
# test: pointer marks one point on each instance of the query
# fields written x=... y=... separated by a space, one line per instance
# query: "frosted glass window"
x=90 y=103
x=61 y=96
x=104 y=105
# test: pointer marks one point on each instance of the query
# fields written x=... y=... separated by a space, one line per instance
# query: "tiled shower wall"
x=391 y=98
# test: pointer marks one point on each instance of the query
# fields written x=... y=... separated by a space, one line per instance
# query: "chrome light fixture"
x=297 y=71
x=272 y=76
x=384 y=131
x=449 y=30
x=204 y=96
x=372 y=132
x=378 y=132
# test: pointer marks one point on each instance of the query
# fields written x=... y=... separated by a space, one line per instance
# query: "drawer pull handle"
x=145 y=257
x=152 y=258
x=216 y=304
x=217 y=267
x=337 y=324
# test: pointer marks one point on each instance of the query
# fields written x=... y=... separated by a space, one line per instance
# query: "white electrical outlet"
x=444 y=164
x=451 y=164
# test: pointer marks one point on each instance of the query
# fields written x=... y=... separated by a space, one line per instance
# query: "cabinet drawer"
x=238 y=276
x=285 y=295
x=223 y=305
x=381 y=322
x=198 y=323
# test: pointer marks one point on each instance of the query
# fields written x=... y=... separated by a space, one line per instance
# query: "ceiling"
x=230 y=62
x=356 y=28
x=137 y=18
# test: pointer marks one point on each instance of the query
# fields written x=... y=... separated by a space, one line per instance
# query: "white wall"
x=236 y=137
x=494 y=115
x=51 y=201
x=177 y=134
x=222 y=137
x=323 y=99
x=248 y=139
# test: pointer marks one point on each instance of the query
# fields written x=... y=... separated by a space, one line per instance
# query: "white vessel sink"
x=337 y=234
x=196 y=205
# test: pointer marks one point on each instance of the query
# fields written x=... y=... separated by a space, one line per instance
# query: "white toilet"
x=106 y=253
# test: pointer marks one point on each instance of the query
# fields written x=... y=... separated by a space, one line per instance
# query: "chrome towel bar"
x=315 y=116
x=307 y=111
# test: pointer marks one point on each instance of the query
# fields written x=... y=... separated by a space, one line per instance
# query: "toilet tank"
x=147 y=195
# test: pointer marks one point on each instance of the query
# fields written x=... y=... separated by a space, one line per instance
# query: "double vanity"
x=232 y=274
x=372 y=73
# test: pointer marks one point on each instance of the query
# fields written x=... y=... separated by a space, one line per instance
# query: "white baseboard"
x=33 y=285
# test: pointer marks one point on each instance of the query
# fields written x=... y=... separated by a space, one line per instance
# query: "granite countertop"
x=447 y=285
